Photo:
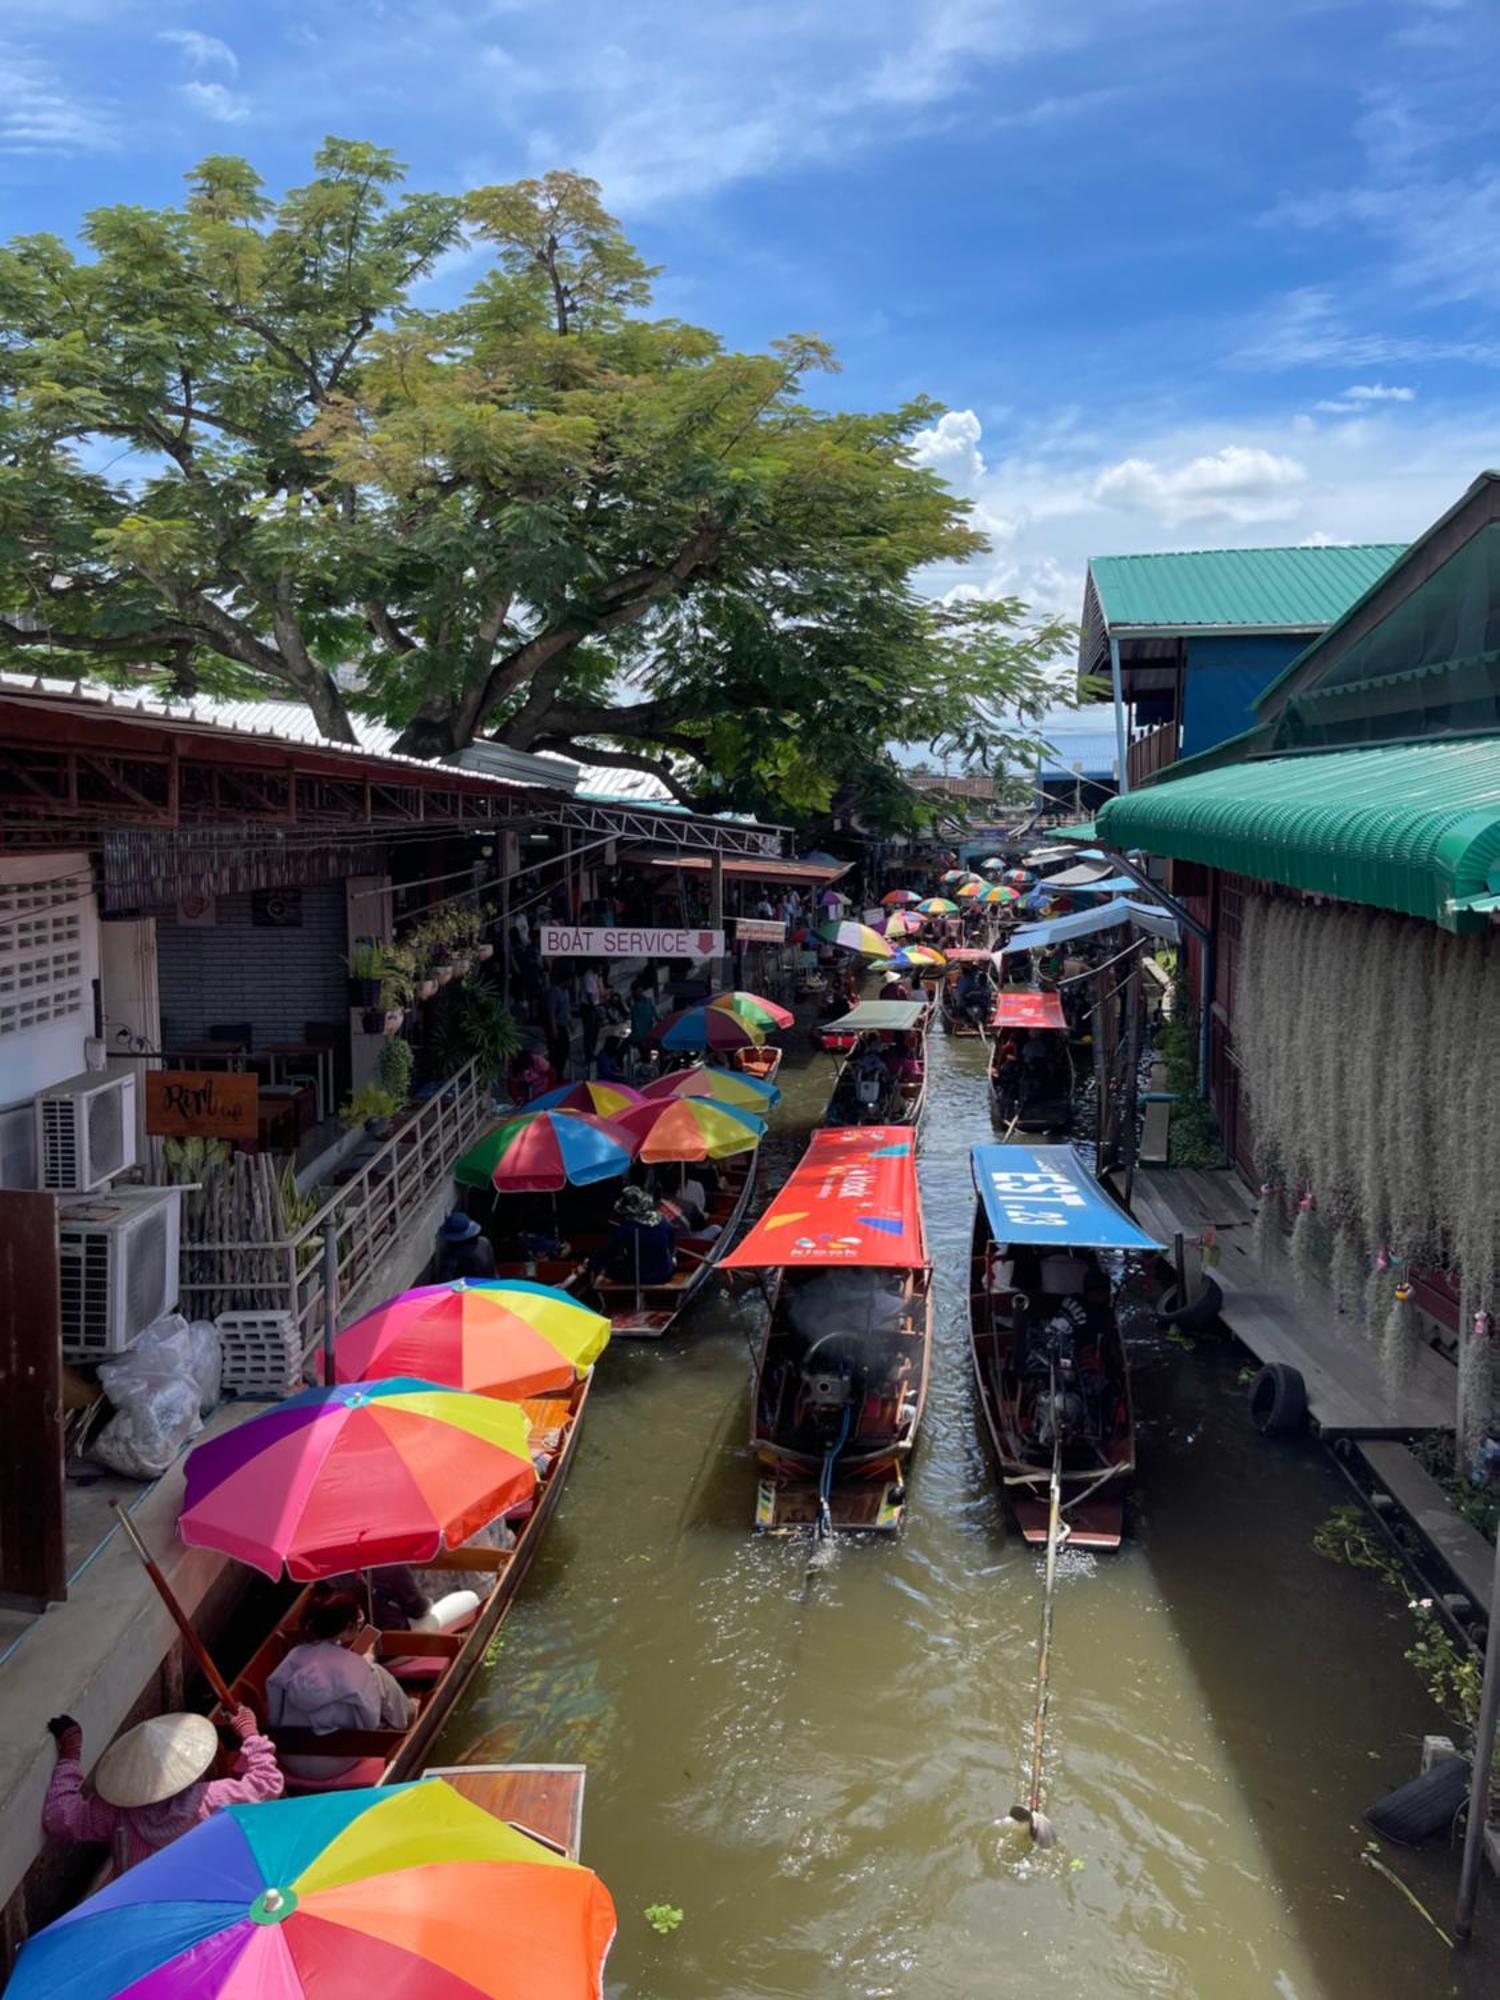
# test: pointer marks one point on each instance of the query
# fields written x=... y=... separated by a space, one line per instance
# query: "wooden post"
x=330 y=1297
x=1484 y=1755
x=1132 y=999
x=716 y=972
x=33 y=1540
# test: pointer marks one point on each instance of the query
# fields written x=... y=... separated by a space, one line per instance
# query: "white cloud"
x=1238 y=485
x=951 y=449
x=1308 y=328
x=201 y=52
x=216 y=101
x=1353 y=401
x=38 y=115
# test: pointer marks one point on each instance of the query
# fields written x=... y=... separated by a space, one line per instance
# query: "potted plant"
x=393 y=1070
x=366 y=964
x=372 y=1106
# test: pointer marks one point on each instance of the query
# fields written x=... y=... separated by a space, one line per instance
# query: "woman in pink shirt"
x=150 y=1785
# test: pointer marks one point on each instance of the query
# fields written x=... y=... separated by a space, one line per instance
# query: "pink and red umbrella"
x=362 y=1474
x=509 y=1339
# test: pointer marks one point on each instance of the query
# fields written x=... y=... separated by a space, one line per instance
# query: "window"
x=41 y=952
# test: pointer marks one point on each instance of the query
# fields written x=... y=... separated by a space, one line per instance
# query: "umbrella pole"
x=179 y=1617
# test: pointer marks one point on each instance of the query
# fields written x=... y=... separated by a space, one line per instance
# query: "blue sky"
x=1186 y=273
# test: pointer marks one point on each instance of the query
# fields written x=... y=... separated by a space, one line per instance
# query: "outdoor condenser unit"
x=18 y=1146
x=85 y=1131
x=117 y=1255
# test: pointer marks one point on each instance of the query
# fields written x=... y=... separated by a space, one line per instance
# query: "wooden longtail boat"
x=763 y=1062
x=1045 y=1337
x=969 y=1024
x=882 y=1080
x=646 y=1312
x=841 y=1378
x=1031 y=1062
x=542 y=1800
x=433 y=1667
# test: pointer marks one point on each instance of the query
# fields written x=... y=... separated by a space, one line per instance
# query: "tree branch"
x=627 y=760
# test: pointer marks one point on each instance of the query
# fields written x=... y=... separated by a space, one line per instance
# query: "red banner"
x=1028 y=1010
x=851 y=1199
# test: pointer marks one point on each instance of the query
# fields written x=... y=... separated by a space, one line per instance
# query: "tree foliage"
x=238 y=450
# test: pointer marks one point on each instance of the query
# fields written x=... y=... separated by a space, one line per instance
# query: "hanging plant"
x=1270 y=1230
x=1476 y=1375
x=1400 y=1343
x=1347 y=1272
x=1309 y=1253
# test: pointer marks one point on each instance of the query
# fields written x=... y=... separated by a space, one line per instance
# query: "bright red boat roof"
x=1028 y=1009
x=851 y=1199
x=967 y=954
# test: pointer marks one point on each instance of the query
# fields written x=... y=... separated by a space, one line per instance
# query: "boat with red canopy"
x=1045 y=1275
x=967 y=990
x=1031 y=1062
x=841 y=1379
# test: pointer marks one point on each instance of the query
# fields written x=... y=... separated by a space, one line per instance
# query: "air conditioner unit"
x=18 y=1146
x=85 y=1131
x=117 y=1258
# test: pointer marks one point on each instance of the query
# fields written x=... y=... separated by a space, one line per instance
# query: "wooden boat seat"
x=364 y=1771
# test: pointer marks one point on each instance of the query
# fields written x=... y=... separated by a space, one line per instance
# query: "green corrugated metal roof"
x=1238 y=588
x=1414 y=827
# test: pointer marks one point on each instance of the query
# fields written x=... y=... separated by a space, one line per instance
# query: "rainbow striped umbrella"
x=707 y=1027
x=920 y=954
x=691 y=1128
x=540 y=1152
x=603 y=1100
x=400 y=1890
x=1021 y=877
x=954 y=875
x=991 y=893
x=754 y=1008
x=361 y=1474
x=902 y=923
x=995 y=861
x=892 y=897
x=850 y=936
x=938 y=906
x=493 y=1338
x=725 y=1086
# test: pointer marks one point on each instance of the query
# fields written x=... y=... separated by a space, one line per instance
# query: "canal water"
x=813 y=1760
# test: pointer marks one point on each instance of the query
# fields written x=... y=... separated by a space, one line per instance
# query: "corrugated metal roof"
x=294 y=722
x=1413 y=827
x=1291 y=589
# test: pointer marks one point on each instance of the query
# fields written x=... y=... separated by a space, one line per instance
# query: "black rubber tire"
x=1278 y=1400
x=1428 y=1805
x=1197 y=1315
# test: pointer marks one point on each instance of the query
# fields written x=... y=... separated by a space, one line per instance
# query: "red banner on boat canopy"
x=851 y=1199
x=1028 y=1010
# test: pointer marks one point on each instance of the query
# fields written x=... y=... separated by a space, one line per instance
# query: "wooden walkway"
x=1345 y=1394
x=1461 y=1548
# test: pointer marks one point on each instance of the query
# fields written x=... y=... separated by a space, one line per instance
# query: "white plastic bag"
x=159 y=1389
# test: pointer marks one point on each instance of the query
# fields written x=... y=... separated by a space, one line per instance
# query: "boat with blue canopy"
x=1051 y=1250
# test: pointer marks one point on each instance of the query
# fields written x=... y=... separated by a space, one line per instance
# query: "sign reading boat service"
x=572 y=941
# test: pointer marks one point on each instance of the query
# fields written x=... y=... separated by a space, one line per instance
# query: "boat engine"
x=830 y=1385
x=1061 y=1411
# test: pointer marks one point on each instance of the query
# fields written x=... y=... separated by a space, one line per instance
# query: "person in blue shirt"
x=641 y=1248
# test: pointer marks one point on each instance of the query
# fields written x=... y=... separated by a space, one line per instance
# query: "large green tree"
x=237 y=449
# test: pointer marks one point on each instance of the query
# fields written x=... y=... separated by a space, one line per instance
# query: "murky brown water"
x=812 y=1762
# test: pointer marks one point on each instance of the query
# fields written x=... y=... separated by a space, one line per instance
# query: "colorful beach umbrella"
x=950 y=875
x=725 y=1086
x=902 y=923
x=938 y=906
x=920 y=954
x=357 y=1475
x=995 y=861
x=493 y=1338
x=691 y=1128
x=1022 y=878
x=850 y=936
x=541 y=1152
x=601 y=1099
x=397 y=1891
x=756 y=1009
x=994 y=893
x=893 y=897
x=707 y=1027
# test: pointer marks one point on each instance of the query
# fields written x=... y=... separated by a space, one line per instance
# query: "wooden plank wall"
x=33 y=1551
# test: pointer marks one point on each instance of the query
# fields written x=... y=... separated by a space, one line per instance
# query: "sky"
x=1183 y=273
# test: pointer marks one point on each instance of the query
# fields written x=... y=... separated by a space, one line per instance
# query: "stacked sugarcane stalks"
x=238 y=1204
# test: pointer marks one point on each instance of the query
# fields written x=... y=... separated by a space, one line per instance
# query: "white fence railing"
x=368 y=1217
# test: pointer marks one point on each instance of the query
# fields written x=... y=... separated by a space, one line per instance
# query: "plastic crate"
x=262 y=1352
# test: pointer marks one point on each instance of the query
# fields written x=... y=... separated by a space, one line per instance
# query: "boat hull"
x=653 y=1310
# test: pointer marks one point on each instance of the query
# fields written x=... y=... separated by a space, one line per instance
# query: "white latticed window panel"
x=41 y=953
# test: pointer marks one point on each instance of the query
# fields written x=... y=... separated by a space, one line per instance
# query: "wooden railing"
x=367 y=1217
x=1152 y=752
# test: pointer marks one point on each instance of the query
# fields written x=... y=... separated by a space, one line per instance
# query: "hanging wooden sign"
x=200 y=1104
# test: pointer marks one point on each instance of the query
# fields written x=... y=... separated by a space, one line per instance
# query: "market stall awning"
x=872 y=1017
x=1045 y=1194
x=1083 y=923
x=851 y=1199
x=1028 y=1007
x=1412 y=827
x=799 y=874
x=1084 y=876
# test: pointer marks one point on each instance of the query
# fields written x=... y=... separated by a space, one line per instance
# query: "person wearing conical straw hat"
x=151 y=1784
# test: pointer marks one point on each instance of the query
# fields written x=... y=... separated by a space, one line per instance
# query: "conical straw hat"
x=156 y=1759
